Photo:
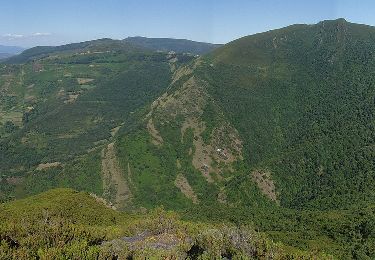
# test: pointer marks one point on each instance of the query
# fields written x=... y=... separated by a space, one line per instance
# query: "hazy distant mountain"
x=11 y=49
x=177 y=45
x=5 y=55
x=8 y=51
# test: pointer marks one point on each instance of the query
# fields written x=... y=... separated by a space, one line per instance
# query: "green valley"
x=269 y=138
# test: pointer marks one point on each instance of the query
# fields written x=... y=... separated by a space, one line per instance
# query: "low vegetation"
x=65 y=224
x=268 y=138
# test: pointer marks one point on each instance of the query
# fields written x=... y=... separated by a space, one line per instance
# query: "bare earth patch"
x=156 y=137
x=224 y=148
x=222 y=197
x=71 y=98
x=202 y=160
x=103 y=201
x=265 y=184
x=114 y=182
x=182 y=183
x=115 y=130
x=82 y=81
x=14 y=180
x=44 y=166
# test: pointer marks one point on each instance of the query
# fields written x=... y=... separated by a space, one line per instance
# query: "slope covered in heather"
x=65 y=224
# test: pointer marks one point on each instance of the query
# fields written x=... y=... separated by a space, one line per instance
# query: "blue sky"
x=53 y=22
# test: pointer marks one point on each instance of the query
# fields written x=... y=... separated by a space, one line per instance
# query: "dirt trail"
x=115 y=185
x=115 y=130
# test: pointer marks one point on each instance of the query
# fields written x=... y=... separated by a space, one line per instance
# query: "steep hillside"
x=292 y=109
x=176 y=45
x=280 y=122
x=183 y=149
x=302 y=99
x=59 y=113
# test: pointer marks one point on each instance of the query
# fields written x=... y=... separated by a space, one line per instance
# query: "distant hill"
x=132 y=44
x=5 y=55
x=99 y=45
x=8 y=51
x=11 y=49
x=176 y=45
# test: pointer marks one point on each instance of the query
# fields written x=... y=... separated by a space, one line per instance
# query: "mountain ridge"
x=171 y=44
x=274 y=129
x=140 y=43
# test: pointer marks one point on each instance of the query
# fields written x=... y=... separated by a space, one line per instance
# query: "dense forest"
x=269 y=138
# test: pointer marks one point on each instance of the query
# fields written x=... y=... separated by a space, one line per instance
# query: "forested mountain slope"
x=60 y=111
x=293 y=108
x=303 y=99
x=279 y=122
x=275 y=129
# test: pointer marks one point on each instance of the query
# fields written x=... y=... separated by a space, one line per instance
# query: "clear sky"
x=54 y=22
